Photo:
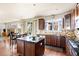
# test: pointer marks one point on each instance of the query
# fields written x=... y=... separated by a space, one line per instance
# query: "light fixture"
x=34 y=4
x=56 y=9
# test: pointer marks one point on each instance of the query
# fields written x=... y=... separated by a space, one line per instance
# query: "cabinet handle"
x=41 y=43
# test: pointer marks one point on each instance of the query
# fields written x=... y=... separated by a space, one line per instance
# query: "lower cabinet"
x=40 y=48
x=58 y=41
x=36 y=49
x=26 y=48
x=29 y=49
x=20 y=47
x=48 y=40
x=54 y=40
x=62 y=42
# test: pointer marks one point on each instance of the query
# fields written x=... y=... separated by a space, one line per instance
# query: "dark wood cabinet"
x=36 y=49
x=26 y=48
x=41 y=24
x=62 y=41
x=53 y=40
x=29 y=49
x=58 y=41
x=48 y=39
x=78 y=11
x=20 y=47
x=40 y=47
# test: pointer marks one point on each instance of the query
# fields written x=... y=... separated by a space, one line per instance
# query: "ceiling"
x=17 y=11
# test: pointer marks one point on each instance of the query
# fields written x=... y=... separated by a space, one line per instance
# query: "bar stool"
x=12 y=43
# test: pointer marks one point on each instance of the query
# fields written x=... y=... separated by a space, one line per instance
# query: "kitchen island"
x=29 y=47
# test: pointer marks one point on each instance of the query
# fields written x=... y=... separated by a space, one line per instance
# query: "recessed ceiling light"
x=56 y=9
x=34 y=4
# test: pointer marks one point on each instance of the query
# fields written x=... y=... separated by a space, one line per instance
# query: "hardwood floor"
x=53 y=51
x=6 y=50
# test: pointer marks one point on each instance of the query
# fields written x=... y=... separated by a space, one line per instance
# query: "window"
x=77 y=23
x=49 y=25
x=52 y=25
x=28 y=27
x=60 y=24
x=57 y=24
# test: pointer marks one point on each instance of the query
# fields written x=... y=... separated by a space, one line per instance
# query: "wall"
x=35 y=22
x=48 y=18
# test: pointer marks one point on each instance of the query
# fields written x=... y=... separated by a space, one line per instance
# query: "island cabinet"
x=53 y=40
x=30 y=48
x=20 y=47
x=36 y=49
x=40 y=48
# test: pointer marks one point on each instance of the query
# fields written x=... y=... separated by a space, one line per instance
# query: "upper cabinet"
x=41 y=24
x=77 y=16
x=73 y=19
x=68 y=22
x=78 y=10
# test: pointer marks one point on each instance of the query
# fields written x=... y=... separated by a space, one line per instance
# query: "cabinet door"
x=62 y=41
x=78 y=10
x=41 y=24
x=58 y=41
x=53 y=40
x=39 y=48
x=29 y=49
x=48 y=39
x=20 y=47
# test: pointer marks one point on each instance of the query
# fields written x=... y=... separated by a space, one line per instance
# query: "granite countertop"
x=75 y=46
x=30 y=39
